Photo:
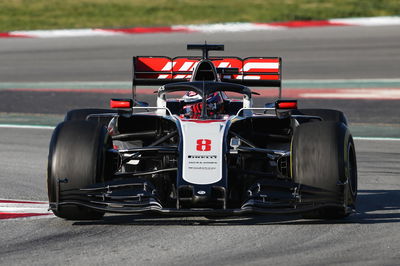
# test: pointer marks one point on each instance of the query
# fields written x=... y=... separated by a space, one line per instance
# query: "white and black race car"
x=203 y=154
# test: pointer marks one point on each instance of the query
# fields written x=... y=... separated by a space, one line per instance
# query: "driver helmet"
x=191 y=97
x=193 y=103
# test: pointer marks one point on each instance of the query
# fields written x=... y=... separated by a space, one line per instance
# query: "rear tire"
x=77 y=153
x=323 y=156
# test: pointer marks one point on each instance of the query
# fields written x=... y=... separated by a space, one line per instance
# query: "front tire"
x=77 y=154
x=323 y=157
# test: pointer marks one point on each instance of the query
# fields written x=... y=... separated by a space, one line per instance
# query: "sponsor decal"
x=202 y=147
x=202 y=156
x=249 y=69
x=202 y=162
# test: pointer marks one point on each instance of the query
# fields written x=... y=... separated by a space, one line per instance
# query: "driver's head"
x=191 y=97
x=194 y=103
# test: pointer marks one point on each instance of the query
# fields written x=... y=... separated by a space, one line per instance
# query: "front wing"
x=134 y=196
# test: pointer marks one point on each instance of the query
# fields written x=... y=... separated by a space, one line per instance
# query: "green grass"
x=59 y=14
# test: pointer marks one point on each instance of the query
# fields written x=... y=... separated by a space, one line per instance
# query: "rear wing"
x=250 y=71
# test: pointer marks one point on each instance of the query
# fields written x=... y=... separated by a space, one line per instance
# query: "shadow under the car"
x=373 y=207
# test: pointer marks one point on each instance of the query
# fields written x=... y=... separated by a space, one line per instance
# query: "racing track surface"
x=369 y=237
x=309 y=53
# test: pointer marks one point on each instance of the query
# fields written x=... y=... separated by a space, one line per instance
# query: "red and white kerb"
x=13 y=209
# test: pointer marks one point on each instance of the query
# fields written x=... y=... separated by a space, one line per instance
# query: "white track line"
x=376 y=138
x=26 y=126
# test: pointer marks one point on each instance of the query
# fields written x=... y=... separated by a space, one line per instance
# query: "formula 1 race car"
x=203 y=153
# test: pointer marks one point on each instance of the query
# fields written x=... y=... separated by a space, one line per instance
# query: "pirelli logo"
x=202 y=156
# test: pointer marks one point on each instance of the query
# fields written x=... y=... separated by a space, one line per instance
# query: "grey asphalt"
x=369 y=237
x=308 y=53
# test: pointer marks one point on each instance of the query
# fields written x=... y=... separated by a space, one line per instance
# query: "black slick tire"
x=323 y=157
x=76 y=154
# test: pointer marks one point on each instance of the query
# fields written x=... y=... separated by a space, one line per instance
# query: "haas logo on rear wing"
x=253 y=71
